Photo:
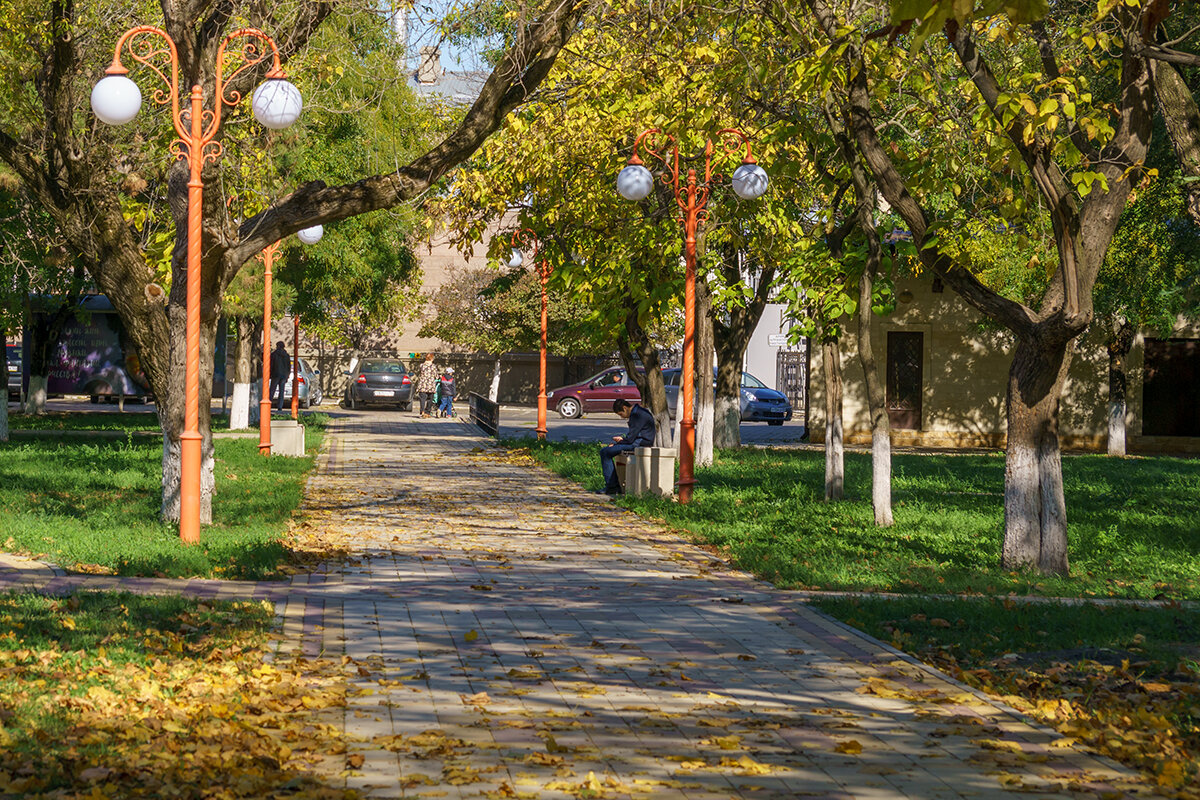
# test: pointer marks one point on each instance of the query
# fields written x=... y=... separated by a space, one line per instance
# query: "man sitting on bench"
x=640 y=434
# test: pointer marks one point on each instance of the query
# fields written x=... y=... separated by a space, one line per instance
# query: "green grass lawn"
x=1134 y=523
x=84 y=502
x=128 y=421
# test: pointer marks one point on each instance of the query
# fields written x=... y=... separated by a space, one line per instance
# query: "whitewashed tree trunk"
x=705 y=356
x=494 y=389
x=1119 y=345
x=239 y=412
x=835 y=467
x=35 y=397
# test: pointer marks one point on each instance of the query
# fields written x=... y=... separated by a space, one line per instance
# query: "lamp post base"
x=189 y=487
x=264 y=427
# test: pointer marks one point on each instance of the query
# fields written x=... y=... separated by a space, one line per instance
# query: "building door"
x=1171 y=388
x=905 y=350
x=791 y=378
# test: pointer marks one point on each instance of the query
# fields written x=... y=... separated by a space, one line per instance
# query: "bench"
x=647 y=470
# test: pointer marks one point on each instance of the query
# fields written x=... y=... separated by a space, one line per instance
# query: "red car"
x=595 y=394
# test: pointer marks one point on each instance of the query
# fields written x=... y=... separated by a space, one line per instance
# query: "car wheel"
x=570 y=408
x=775 y=422
x=406 y=406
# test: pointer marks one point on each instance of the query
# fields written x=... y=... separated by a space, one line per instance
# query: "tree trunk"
x=494 y=389
x=1119 y=345
x=835 y=468
x=44 y=333
x=171 y=415
x=881 y=428
x=650 y=382
x=1181 y=117
x=4 y=417
x=705 y=355
x=1035 y=513
x=239 y=412
x=727 y=426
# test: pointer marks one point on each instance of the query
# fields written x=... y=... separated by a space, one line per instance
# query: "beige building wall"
x=965 y=364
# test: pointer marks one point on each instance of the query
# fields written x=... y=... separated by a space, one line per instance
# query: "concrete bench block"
x=287 y=438
x=651 y=470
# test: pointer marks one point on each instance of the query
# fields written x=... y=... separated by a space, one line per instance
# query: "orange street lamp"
x=295 y=365
x=308 y=236
x=116 y=100
x=527 y=238
x=635 y=183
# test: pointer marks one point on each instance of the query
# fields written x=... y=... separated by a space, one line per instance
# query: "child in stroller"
x=445 y=393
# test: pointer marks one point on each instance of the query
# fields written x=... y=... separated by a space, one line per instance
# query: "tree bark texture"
x=650 y=382
x=1035 y=511
x=1118 y=346
x=239 y=411
x=881 y=427
x=705 y=412
x=835 y=458
x=70 y=166
x=1182 y=118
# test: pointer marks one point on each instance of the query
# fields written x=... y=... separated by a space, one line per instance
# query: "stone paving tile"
x=508 y=636
x=534 y=641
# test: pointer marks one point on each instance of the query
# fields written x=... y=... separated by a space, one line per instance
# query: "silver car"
x=310 y=387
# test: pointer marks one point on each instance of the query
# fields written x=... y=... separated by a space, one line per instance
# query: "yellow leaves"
x=67 y=622
x=470 y=635
x=747 y=766
x=850 y=747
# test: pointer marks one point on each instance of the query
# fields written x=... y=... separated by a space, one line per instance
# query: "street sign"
x=777 y=340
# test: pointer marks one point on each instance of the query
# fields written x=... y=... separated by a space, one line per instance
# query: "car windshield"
x=751 y=382
x=388 y=367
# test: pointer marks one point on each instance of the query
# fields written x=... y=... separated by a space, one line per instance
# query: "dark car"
x=379 y=381
x=13 y=353
x=594 y=394
x=759 y=402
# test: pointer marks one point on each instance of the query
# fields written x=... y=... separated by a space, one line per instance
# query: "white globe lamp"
x=311 y=235
x=276 y=103
x=749 y=181
x=116 y=99
x=634 y=182
x=516 y=260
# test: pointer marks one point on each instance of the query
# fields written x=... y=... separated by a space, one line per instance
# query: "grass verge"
x=116 y=695
x=1124 y=681
x=1134 y=523
x=92 y=503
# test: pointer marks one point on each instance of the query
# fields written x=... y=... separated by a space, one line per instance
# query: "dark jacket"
x=281 y=363
x=445 y=388
x=641 y=428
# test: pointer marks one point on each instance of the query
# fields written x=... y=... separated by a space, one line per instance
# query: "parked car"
x=379 y=381
x=13 y=353
x=759 y=402
x=310 y=387
x=594 y=394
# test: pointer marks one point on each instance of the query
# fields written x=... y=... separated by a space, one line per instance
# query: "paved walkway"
x=509 y=636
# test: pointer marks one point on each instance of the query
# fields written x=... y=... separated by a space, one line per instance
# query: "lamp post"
x=116 y=100
x=264 y=405
x=635 y=182
x=308 y=236
x=527 y=238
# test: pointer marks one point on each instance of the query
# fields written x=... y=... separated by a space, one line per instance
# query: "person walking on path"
x=640 y=434
x=446 y=393
x=281 y=367
x=427 y=378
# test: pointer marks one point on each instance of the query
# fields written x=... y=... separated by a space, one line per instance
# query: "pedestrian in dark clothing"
x=640 y=434
x=281 y=368
x=445 y=393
